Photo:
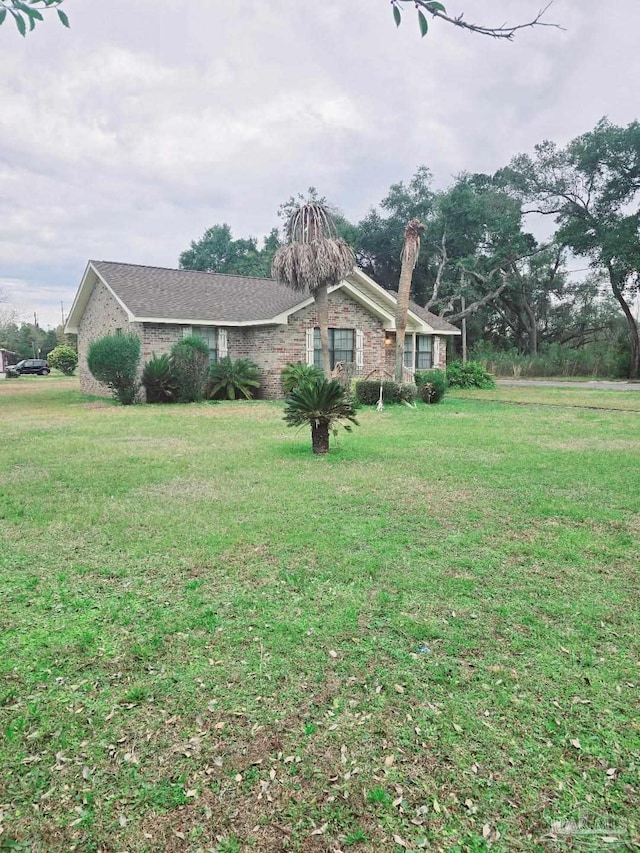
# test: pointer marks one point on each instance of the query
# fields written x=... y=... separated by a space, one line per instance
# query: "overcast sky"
x=128 y=135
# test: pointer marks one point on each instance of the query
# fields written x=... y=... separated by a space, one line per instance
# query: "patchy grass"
x=213 y=640
x=563 y=397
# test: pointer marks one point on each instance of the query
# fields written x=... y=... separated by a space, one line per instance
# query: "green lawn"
x=212 y=640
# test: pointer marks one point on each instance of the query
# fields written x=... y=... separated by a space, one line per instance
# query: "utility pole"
x=62 y=312
x=35 y=332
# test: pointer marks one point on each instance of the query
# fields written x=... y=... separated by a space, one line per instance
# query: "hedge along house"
x=255 y=318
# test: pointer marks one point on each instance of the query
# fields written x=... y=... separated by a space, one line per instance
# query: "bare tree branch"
x=504 y=269
x=504 y=32
x=489 y=297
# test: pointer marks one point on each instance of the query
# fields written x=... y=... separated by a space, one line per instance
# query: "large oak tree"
x=592 y=188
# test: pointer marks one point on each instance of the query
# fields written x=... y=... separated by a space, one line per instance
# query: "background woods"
x=564 y=304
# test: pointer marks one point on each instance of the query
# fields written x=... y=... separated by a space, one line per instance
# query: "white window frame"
x=332 y=351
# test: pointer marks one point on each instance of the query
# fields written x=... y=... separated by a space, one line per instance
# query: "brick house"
x=254 y=318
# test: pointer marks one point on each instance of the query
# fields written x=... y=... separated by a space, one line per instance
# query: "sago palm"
x=294 y=375
x=159 y=382
x=324 y=405
x=229 y=379
x=313 y=259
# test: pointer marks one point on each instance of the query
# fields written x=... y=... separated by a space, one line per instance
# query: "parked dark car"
x=39 y=366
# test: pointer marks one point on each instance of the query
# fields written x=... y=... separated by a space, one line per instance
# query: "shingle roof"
x=436 y=323
x=191 y=295
x=169 y=294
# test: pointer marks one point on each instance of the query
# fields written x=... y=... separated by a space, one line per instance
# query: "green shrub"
x=231 y=379
x=408 y=392
x=294 y=375
x=469 y=375
x=190 y=367
x=113 y=360
x=432 y=385
x=63 y=358
x=159 y=381
x=368 y=392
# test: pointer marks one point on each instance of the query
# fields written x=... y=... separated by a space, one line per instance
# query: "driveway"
x=591 y=384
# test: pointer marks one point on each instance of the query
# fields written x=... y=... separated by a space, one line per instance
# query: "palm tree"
x=312 y=260
x=323 y=404
x=409 y=258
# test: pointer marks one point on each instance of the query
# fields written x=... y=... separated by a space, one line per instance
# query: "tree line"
x=28 y=340
x=479 y=262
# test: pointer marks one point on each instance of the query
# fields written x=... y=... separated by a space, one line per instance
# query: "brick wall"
x=102 y=316
x=272 y=347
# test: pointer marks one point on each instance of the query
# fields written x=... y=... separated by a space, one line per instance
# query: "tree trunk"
x=632 y=326
x=320 y=435
x=532 y=325
x=634 y=337
x=402 y=307
x=410 y=252
x=322 y=304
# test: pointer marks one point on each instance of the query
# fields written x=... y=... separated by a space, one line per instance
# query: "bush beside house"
x=190 y=366
x=113 y=360
x=432 y=385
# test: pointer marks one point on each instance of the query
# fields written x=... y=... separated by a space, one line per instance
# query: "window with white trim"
x=209 y=335
x=408 y=352
x=422 y=358
x=342 y=346
x=424 y=352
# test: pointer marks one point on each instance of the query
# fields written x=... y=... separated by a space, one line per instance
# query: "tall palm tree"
x=409 y=258
x=313 y=259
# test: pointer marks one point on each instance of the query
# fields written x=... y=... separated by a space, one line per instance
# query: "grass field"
x=212 y=640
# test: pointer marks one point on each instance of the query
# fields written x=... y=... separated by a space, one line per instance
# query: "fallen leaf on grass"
x=575 y=742
x=400 y=841
x=398 y=688
x=457 y=728
x=320 y=830
x=333 y=653
x=389 y=760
